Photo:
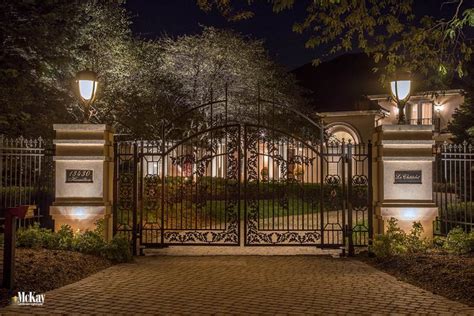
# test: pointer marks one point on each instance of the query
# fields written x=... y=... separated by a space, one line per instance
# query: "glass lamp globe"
x=400 y=86
x=87 y=84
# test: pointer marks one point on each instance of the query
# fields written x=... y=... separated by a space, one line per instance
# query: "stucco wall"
x=449 y=104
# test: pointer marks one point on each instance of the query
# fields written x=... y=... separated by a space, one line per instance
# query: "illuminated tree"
x=44 y=44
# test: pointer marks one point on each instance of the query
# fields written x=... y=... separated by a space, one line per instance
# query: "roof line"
x=419 y=94
x=350 y=113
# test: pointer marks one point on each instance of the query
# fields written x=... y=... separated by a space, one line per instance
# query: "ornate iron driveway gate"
x=242 y=183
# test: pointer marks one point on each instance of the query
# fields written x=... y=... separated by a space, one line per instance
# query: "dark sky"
x=151 y=18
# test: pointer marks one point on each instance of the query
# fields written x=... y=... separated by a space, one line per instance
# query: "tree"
x=217 y=58
x=173 y=75
x=142 y=84
x=206 y=64
x=387 y=30
x=44 y=43
x=462 y=124
x=151 y=97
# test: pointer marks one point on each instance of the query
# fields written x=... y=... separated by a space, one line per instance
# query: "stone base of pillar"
x=407 y=215
x=80 y=217
x=404 y=177
x=84 y=177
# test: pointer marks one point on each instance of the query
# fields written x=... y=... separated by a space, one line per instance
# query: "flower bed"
x=442 y=273
x=444 y=266
x=46 y=260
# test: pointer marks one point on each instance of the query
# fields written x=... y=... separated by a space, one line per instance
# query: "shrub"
x=391 y=243
x=459 y=242
x=65 y=237
x=100 y=227
x=413 y=241
x=438 y=242
x=34 y=237
x=396 y=242
x=89 y=242
x=118 y=250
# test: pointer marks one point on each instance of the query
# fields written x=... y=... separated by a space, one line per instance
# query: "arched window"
x=339 y=131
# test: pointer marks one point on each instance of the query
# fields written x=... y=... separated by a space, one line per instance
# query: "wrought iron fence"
x=453 y=186
x=282 y=191
x=257 y=173
x=26 y=176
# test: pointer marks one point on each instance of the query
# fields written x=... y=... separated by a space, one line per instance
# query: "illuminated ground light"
x=410 y=214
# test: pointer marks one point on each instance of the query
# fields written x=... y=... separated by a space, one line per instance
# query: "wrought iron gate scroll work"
x=199 y=184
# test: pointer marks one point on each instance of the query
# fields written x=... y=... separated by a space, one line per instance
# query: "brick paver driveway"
x=242 y=285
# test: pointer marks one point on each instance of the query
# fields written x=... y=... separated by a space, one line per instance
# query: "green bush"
x=34 y=237
x=459 y=242
x=413 y=241
x=439 y=241
x=391 y=243
x=396 y=242
x=118 y=250
x=65 y=237
x=89 y=242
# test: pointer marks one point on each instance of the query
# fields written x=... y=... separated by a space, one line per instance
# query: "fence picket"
x=26 y=175
x=453 y=187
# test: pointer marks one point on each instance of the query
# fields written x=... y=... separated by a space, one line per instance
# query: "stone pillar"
x=84 y=176
x=404 y=176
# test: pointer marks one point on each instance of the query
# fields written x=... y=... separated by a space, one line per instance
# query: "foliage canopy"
x=141 y=82
x=387 y=30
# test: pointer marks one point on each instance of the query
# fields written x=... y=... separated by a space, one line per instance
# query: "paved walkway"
x=242 y=285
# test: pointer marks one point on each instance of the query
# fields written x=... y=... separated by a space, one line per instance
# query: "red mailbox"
x=11 y=215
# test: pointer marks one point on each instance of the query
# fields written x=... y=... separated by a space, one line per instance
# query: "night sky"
x=151 y=18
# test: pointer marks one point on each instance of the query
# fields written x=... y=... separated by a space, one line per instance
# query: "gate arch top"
x=227 y=111
x=217 y=180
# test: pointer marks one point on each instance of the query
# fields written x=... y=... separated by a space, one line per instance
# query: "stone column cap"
x=405 y=127
x=82 y=127
x=407 y=203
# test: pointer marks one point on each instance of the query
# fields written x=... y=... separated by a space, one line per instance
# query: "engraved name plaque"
x=79 y=176
x=408 y=177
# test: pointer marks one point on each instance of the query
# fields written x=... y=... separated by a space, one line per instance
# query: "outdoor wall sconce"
x=438 y=107
x=400 y=87
x=87 y=86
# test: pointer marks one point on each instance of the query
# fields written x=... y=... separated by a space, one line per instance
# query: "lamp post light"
x=87 y=86
x=400 y=87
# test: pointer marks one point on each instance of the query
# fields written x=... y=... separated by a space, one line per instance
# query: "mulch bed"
x=448 y=275
x=41 y=270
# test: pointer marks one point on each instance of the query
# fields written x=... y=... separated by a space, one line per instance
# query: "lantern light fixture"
x=87 y=87
x=400 y=87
